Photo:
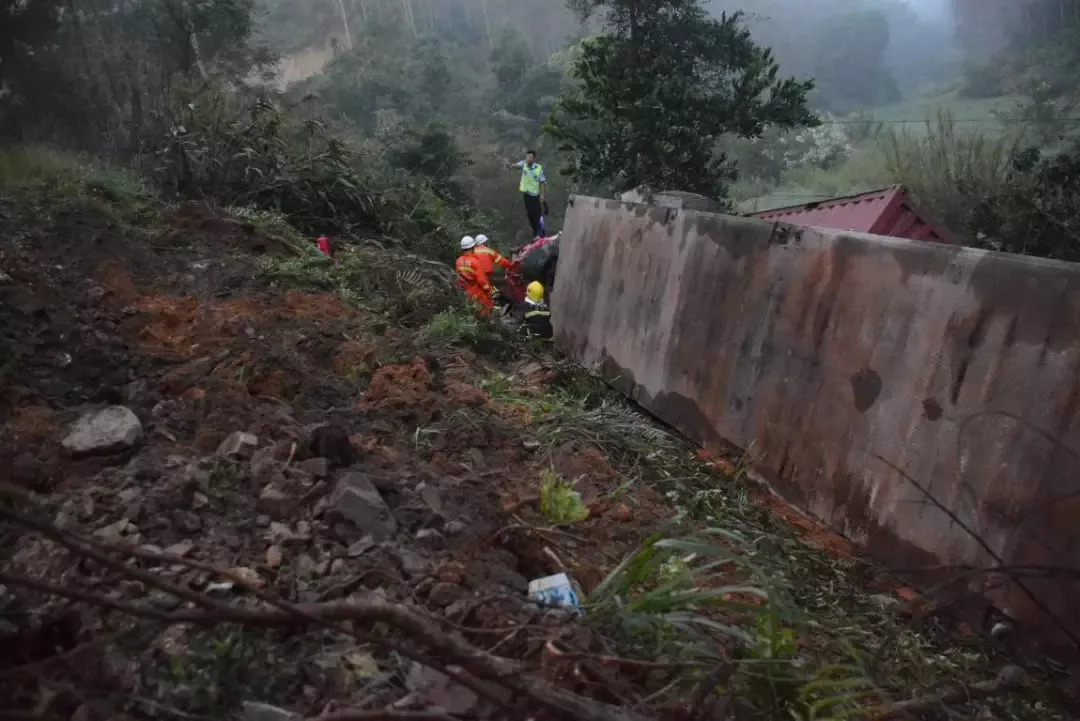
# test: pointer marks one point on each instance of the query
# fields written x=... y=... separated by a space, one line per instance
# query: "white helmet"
x=481 y=239
x=468 y=242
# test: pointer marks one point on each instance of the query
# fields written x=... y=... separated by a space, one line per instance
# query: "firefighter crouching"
x=537 y=324
x=474 y=276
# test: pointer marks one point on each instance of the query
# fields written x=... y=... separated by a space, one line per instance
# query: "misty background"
x=433 y=96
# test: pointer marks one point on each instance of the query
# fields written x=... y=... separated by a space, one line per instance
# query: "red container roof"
x=880 y=212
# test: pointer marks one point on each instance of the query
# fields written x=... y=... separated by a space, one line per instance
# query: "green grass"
x=865 y=170
x=974 y=112
x=816 y=645
x=873 y=164
x=59 y=193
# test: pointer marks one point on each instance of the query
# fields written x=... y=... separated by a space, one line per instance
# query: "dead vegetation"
x=336 y=498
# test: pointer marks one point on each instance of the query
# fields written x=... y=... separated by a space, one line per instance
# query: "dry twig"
x=477 y=662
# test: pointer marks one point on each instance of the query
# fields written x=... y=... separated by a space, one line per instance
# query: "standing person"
x=492 y=258
x=533 y=187
x=473 y=276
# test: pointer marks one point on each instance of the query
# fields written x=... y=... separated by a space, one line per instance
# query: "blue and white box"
x=555 y=590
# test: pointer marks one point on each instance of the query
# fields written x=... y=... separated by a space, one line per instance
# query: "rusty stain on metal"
x=911 y=395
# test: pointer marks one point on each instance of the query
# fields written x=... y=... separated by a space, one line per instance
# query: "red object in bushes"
x=324 y=244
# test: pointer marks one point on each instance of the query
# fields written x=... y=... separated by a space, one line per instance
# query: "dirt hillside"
x=308 y=508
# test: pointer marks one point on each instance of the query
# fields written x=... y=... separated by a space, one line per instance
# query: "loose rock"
x=275 y=503
x=429 y=536
x=444 y=594
x=182 y=548
x=432 y=497
x=109 y=430
x=274 y=556
x=438 y=689
x=511 y=579
x=306 y=566
x=317 y=467
x=238 y=445
x=412 y=563
x=355 y=500
x=115 y=531
x=359 y=548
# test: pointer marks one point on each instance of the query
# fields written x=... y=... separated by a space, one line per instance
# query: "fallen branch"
x=88 y=549
x=559 y=655
x=473 y=660
x=1008 y=679
x=75 y=594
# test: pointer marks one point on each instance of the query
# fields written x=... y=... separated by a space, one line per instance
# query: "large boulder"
x=109 y=430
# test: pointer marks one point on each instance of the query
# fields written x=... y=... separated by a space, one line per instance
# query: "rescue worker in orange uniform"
x=492 y=256
x=474 y=277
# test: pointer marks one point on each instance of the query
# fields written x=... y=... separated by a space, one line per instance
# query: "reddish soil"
x=811 y=532
x=154 y=331
x=178 y=332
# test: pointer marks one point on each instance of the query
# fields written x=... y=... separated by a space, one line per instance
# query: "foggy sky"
x=930 y=9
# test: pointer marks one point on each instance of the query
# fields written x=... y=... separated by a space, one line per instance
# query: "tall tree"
x=657 y=91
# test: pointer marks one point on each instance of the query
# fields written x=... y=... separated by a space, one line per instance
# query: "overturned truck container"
x=920 y=398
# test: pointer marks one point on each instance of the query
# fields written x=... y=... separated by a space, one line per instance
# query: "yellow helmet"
x=535 y=291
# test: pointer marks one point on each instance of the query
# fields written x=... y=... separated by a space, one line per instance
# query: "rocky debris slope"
x=265 y=442
x=186 y=444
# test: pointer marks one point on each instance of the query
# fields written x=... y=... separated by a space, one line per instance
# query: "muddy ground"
x=187 y=339
x=178 y=328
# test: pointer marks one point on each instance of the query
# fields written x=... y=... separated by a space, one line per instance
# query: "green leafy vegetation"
x=404 y=288
x=461 y=326
x=949 y=168
x=53 y=187
x=727 y=587
x=559 y=502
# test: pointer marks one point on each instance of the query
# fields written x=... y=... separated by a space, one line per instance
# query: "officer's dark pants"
x=534 y=211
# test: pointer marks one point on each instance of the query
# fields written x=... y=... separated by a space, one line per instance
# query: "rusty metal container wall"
x=920 y=398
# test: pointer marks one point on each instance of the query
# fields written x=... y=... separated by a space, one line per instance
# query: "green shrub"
x=50 y=181
x=250 y=152
x=275 y=225
x=949 y=170
x=403 y=287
